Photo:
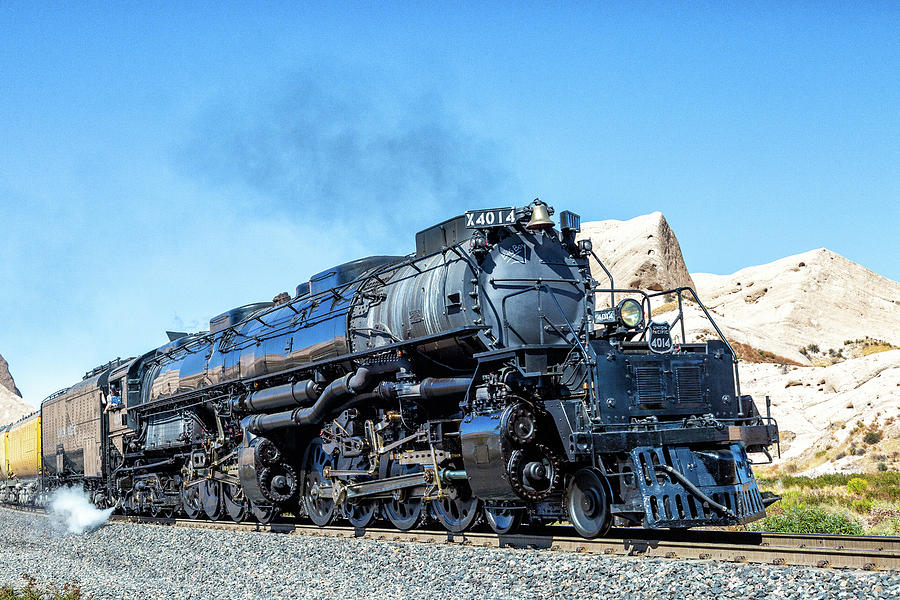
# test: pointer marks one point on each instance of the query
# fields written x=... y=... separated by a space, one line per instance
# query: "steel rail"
x=880 y=553
x=834 y=551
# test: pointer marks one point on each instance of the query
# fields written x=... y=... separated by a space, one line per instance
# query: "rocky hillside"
x=843 y=417
x=642 y=252
x=12 y=406
x=816 y=332
x=817 y=299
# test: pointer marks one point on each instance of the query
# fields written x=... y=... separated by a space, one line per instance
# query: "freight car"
x=20 y=479
x=486 y=376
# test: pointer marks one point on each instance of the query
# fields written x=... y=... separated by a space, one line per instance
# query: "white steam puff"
x=72 y=509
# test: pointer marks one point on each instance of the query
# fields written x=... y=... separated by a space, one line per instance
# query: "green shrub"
x=882 y=467
x=861 y=506
x=872 y=437
x=857 y=486
x=808 y=520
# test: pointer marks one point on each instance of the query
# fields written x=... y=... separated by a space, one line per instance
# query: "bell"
x=540 y=217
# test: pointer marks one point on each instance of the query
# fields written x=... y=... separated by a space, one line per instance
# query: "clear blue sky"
x=162 y=162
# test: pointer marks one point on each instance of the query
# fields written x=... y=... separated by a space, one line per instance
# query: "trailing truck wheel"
x=588 y=504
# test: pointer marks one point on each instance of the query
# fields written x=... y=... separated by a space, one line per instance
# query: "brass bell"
x=540 y=216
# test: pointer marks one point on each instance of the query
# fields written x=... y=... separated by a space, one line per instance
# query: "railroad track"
x=834 y=551
x=811 y=550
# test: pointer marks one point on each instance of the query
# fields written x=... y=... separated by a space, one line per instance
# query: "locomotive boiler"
x=486 y=376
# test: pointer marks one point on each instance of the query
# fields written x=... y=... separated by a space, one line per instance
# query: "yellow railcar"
x=24 y=448
x=3 y=451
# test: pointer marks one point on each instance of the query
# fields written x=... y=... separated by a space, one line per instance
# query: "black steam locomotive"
x=486 y=376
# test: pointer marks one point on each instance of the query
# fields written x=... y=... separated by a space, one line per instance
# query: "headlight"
x=630 y=313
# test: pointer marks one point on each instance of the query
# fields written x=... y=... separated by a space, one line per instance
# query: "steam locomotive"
x=486 y=377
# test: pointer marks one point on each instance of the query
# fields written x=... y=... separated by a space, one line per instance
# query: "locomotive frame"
x=479 y=378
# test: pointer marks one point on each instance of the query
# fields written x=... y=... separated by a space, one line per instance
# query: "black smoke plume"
x=333 y=148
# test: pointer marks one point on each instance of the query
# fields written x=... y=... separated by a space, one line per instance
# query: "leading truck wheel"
x=587 y=502
x=503 y=520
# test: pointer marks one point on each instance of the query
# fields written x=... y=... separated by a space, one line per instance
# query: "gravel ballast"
x=122 y=560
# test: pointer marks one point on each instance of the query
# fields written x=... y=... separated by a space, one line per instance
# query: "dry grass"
x=32 y=591
x=875 y=349
x=664 y=308
x=755 y=355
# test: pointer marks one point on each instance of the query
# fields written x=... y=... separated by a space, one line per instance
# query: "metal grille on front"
x=649 y=384
x=688 y=384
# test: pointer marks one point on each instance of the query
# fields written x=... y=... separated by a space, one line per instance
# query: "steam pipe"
x=299 y=393
x=338 y=390
x=432 y=388
x=347 y=392
x=332 y=396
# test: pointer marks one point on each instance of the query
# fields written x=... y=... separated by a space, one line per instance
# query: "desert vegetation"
x=851 y=349
x=31 y=590
x=869 y=441
x=835 y=503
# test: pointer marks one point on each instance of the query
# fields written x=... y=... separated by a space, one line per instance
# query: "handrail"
x=408 y=260
x=612 y=285
x=645 y=302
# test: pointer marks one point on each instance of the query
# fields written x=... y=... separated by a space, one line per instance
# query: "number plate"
x=661 y=338
x=606 y=316
x=490 y=217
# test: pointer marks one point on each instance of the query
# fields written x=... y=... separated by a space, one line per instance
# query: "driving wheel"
x=316 y=489
x=235 y=502
x=459 y=511
x=190 y=501
x=403 y=509
x=211 y=498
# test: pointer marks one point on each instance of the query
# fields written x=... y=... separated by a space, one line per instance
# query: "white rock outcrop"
x=12 y=407
x=641 y=253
